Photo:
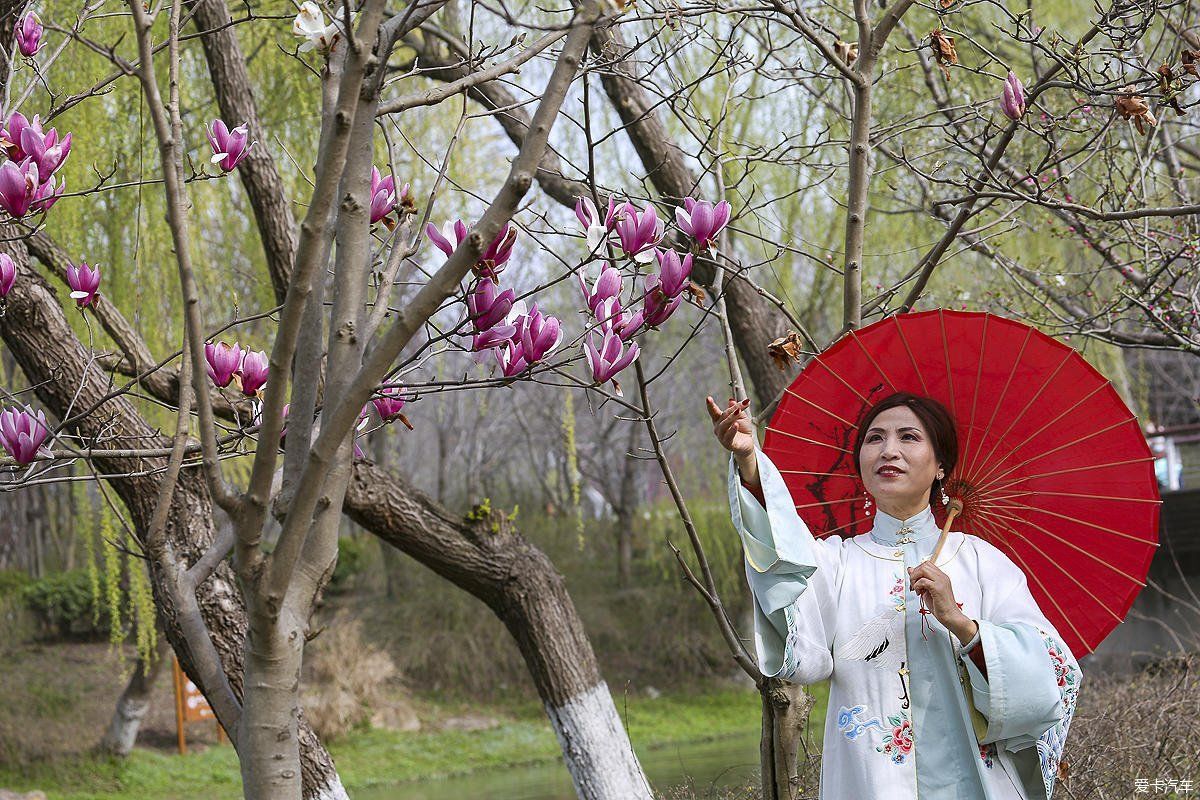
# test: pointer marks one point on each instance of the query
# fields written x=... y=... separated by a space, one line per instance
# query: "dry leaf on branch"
x=943 y=50
x=1133 y=106
x=1168 y=87
x=1189 y=58
x=695 y=294
x=786 y=350
x=847 y=51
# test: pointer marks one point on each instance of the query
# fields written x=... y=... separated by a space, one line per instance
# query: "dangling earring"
x=945 y=497
x=866 y=504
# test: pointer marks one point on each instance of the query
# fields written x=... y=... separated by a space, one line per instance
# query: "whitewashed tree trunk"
x=596 y=748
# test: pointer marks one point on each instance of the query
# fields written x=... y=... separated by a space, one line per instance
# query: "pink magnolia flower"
x=493 y=258
x=674 y=272
x=22 y=434
x=456 y=231
x=84 y=282
x=596 y=230
x=254 y=371
x=8 y=274
x=606 y=286
x=383 y=195
x=611 y=316
x=610 y=357
x=658 y=306
x=496 y=336
x=703 y=221
x=10 y=134
x=389 y=405
x=512 y=359
x=44 y=148
x=487 y=306
x=47 y=194
x=538 y=335
x=638 y=232
x=1012 y=100
x=19 y=185
x=28 y=35
x=223 y=361
x=229 y=146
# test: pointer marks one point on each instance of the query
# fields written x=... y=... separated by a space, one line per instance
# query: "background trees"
x=869 y=168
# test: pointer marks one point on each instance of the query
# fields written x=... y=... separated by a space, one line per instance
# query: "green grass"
x=375 y=757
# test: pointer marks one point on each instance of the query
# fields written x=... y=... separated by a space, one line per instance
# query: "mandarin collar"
x=888 y=530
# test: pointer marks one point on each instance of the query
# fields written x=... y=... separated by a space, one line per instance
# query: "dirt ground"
x=57 y=700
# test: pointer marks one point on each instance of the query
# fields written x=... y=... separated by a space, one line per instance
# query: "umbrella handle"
x=956 y=508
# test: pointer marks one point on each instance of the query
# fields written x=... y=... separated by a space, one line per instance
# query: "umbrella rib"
x=978 y=382
x=1030 y=574
x=1000 y=400
x=1031 y=436
x=803 y=399
x=992 y=498
x=1028 y=405
x=946 y=353
x=874 y=363
x=912 y=359
x=819 y=474
x=805 y=439
x=1026 y=507
x=849 y=524
x=1063 y=471
x=827 y=502
x=840 y=379
x=1074 y=546
x=1052 y=451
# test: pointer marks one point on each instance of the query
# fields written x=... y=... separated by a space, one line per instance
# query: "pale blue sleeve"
x=1020 y=696
x=791 y=576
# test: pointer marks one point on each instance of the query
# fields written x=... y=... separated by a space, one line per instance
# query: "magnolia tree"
x=340 y=351
x=369 y=287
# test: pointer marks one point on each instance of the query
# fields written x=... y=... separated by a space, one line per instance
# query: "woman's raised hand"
x=733 y=427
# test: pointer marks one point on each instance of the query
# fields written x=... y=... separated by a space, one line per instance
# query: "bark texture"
x=519 y=583
x=133 y=703
x=68 y=382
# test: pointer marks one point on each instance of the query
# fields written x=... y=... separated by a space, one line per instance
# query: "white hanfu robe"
x=910 y=715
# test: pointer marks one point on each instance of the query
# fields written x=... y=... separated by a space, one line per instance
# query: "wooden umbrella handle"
x=956 y=508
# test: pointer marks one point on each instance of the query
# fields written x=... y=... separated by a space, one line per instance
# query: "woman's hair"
x=936 y=420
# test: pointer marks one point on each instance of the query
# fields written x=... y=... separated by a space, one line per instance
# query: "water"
x=719 y=763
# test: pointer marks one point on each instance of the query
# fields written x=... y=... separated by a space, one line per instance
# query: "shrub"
x=64 y=607
x=351 y=680
x=13 y=581
x=352 y=561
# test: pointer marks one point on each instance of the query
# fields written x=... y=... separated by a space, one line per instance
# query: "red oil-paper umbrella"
x=1053 y=468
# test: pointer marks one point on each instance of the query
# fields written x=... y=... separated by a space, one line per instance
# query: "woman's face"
x=897 y=461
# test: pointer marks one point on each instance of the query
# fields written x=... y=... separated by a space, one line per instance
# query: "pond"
x=719 y=763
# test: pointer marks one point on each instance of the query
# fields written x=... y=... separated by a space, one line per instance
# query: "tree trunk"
x=36 y=331
x=519 y=583
x=788 y=708
x=267 y=751
x=134 y=702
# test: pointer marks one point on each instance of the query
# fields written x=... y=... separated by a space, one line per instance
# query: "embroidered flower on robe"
x=987 y=752
x=900 y=743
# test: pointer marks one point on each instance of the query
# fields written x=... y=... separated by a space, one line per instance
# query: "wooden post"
x=177 y=675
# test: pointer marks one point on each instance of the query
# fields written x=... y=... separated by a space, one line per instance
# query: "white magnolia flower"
x=310 y=25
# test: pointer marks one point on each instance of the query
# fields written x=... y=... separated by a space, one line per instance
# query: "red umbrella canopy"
x=1053 y=468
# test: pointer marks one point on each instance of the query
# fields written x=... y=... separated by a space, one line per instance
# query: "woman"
x=946 y=680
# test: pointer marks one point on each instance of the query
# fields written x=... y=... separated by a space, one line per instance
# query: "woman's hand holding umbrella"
x=937 y=593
